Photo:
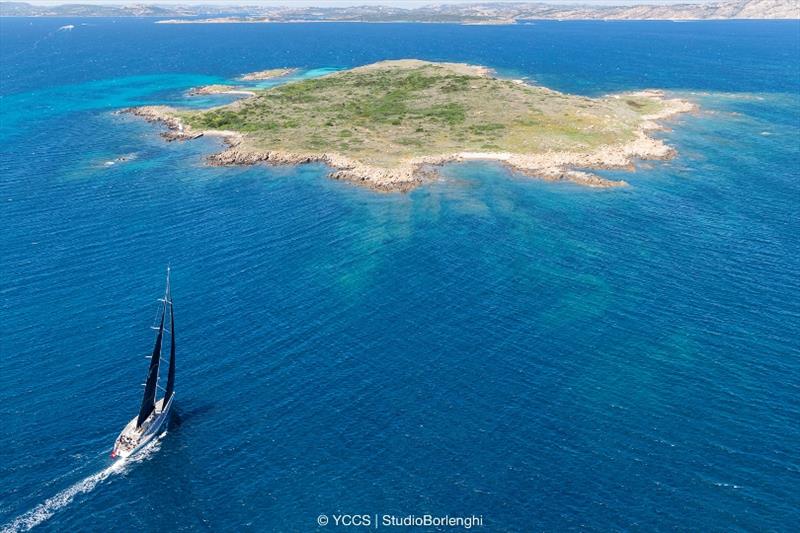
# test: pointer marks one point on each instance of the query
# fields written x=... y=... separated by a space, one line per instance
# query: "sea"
x=543 y=356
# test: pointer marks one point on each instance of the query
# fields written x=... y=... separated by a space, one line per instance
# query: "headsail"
x=149 y=399
x=171 y=374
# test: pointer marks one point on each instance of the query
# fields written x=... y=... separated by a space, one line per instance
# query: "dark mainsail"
x=149 y=399
x=171 y=375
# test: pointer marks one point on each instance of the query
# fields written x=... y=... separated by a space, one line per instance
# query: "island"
x=206 y=90
x=246 y=90
x=390 y=125
x=217 y=20
x=268 y=74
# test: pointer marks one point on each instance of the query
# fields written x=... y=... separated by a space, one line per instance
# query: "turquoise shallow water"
x=547 y=356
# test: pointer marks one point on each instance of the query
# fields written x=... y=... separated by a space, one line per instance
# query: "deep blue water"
x=547 y=356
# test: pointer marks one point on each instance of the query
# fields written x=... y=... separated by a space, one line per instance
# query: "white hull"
x=133 y=439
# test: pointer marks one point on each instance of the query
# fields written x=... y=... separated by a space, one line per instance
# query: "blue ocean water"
x=547 y=356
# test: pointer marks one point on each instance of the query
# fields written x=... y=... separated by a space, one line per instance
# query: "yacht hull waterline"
x=141 y=436
x=153 y=415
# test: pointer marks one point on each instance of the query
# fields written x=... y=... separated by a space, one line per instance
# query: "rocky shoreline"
x=206 y=90
x=268 y=74
x=551 y=166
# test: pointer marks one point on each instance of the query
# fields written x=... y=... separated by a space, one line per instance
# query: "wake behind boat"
x=152 y=414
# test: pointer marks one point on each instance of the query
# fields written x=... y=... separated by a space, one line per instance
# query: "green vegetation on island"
x=382 y=122
x=391 y=111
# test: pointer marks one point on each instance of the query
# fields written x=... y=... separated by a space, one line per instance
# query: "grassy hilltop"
x=393 y=111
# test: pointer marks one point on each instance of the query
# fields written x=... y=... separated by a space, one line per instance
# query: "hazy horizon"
x=349 y=3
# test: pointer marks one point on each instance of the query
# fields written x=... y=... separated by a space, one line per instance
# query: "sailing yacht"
x=152 y=414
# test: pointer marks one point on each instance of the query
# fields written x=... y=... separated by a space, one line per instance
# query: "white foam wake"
x=48 y=508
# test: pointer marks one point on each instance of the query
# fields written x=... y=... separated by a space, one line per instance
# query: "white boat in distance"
x=152 y=414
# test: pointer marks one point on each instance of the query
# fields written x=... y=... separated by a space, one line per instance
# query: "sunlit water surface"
x=548 y=356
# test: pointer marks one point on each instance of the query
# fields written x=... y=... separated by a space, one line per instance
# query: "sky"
x=344 y=3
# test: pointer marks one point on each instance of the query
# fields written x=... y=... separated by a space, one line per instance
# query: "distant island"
x=466 y=13
x=387 y=126
x=267 y=74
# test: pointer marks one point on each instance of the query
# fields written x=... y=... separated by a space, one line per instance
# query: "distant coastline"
x=216 y=20
x=250 y=20
x=467 y=13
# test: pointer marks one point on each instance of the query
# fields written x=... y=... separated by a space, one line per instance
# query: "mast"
x=149 y=398
x=171 y=375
